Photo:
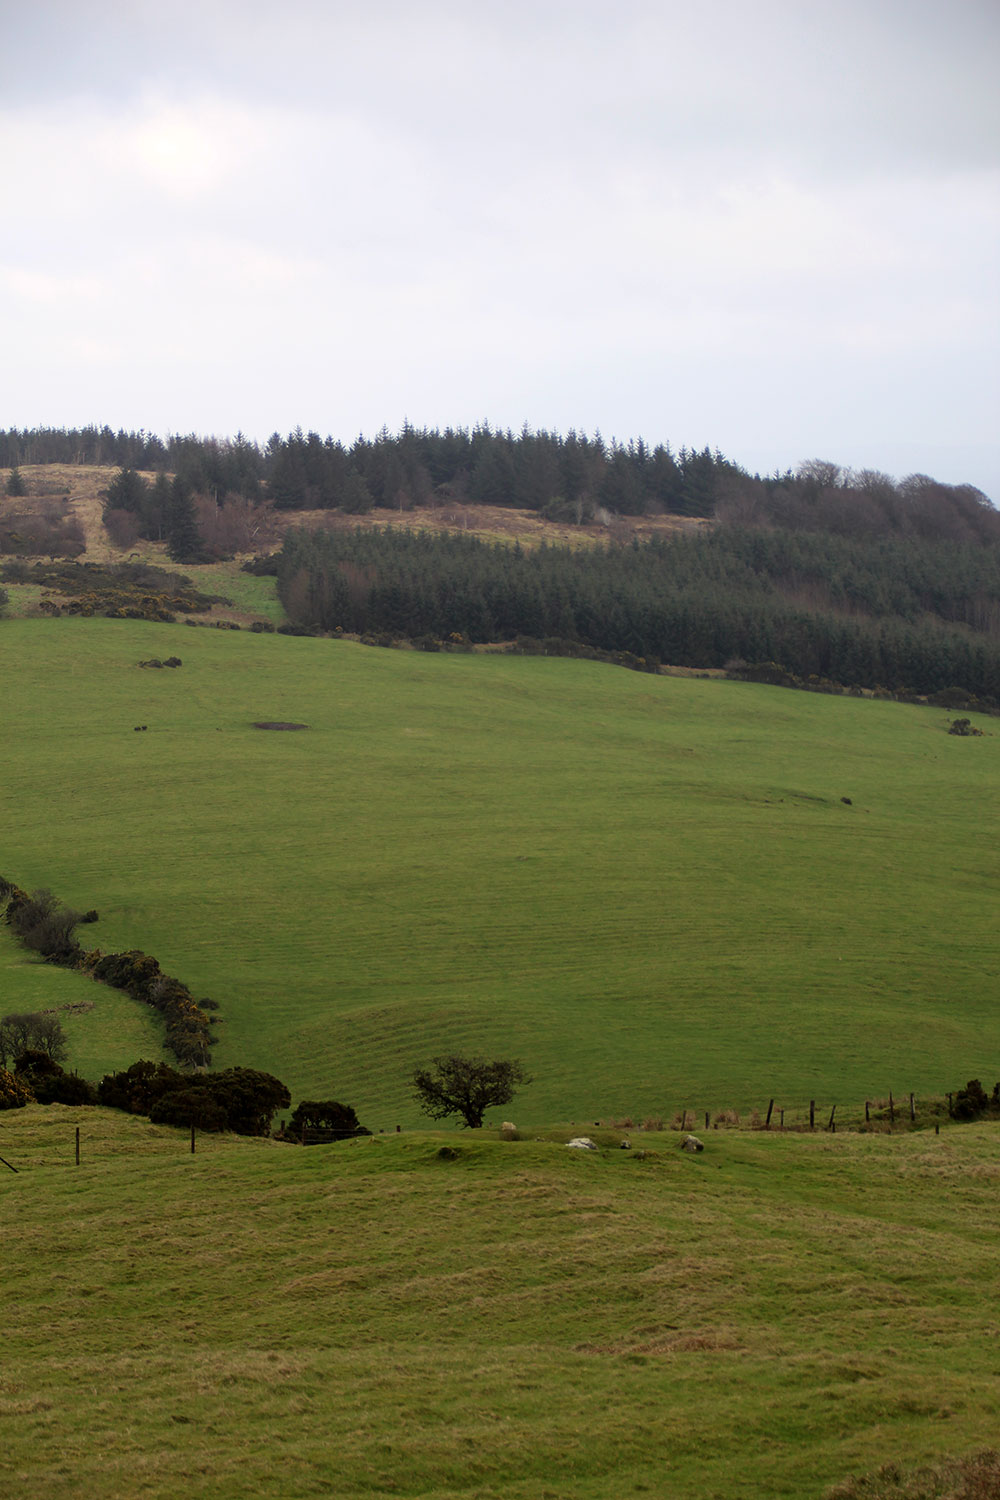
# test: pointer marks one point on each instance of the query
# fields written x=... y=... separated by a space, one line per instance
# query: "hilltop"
x=822 y=576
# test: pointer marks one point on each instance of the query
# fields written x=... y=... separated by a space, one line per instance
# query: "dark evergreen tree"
x=355 y=496
x=184 y=544
x=127 y=491
x=15 y=483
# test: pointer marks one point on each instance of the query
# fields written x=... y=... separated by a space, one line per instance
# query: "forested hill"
x=904 y=615
x=848 y=576
x=576 y=478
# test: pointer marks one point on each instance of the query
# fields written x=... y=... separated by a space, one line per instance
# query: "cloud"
x=704 y=223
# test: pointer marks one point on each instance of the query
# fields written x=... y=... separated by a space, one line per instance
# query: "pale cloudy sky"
x=772 y=226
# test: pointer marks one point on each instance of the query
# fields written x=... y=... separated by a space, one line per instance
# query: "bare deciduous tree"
x=31 y=1031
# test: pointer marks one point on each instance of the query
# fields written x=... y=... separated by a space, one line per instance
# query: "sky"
x=767 y=226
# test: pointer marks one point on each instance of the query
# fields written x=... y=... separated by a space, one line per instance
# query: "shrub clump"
x=972 y=1101
x=325 y=1117
x=188 y=1028
x=242 y=1100
x=49 y=1083
x=14 y=1092
x=42 y=923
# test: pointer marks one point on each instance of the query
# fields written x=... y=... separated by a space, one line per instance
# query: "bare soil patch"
x=278 y=724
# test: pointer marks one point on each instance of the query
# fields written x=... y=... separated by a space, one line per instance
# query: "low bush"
x=14 y=1092
x=51 y=1084
x=188 y=1028
x=190 y=1106
x=972 y=1101
x=43 y=924
x=336 y=1121
x=137 y=1088
x=242 y=1100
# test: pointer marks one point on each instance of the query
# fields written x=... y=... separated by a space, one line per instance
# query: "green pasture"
x=246 y=593
x=505 y=1321
x=105 y=1029
x=647 y=888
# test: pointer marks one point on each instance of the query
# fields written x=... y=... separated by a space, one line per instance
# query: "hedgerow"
x=42 y=923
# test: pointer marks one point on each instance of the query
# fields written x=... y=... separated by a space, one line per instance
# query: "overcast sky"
x=770 y=226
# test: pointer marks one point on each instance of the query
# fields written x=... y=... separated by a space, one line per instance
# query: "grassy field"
x=105 y=1028
x=648 y=888
x=503 y=1321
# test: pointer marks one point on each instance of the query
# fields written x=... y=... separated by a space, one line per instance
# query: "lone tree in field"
x=466 y=1086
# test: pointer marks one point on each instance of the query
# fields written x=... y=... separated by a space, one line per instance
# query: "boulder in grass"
x=582 y=1143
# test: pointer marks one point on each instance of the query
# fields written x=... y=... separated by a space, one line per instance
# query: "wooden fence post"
x=812 y=1114
x=867 y=1115
x=707 y=1113
x=767 y=1122
x=192 y=1140
x=831 y=1125
x=781 y=1119
x=78 y=1145
x=913 y=1113
x=892 y=1109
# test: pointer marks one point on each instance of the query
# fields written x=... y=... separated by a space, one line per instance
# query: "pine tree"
x=184 y=544
x=15 y=482
x=127 y=491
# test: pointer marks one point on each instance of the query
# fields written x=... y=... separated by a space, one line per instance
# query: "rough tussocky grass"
x=514 y=1322
x=648 y=888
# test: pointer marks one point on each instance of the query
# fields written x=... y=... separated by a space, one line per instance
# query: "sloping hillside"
x=659 y=892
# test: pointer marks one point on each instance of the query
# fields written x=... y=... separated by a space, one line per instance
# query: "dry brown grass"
x=83 y=486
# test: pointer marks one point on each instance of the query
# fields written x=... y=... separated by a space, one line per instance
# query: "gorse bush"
x=972 y=1101
x=188 y=1028
x=51 y=1084
x=42 y=923
x=339 y=1121
x=242 y=1100
x=14 y=1092
x=190 y=1106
